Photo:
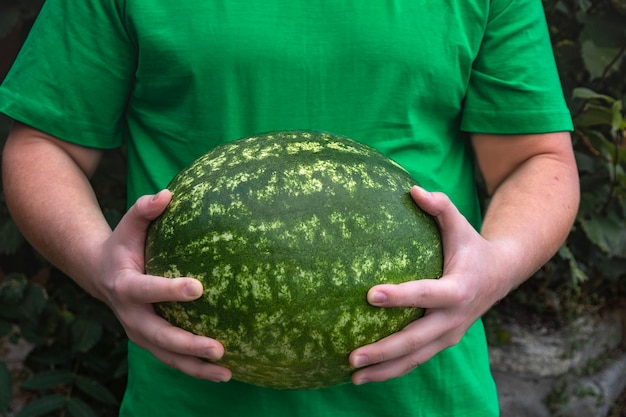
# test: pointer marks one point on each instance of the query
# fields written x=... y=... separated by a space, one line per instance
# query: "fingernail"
x=360 y=381
x=224 y=378
x=211 y=354
x=422 y=191
x=155 y=197
x=192 y=290
x=360 y=360
x=377 y=297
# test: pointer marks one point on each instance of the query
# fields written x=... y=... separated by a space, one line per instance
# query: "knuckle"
x=457 y=322
x=460 y=293
x=134 y=337
x=117 y=291
x=443 y=202
x=117 y=287
x=160 y=337
x=411 y=367
x=453 y=339
x=141 y=203
x=412 y=343
x=170 y=361
x=411 y=364
x=378 y=357
x=424 y=292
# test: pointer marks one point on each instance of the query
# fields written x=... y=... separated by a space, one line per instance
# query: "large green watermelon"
x=287 y=232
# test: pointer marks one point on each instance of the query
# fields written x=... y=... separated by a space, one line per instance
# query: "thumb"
x=149 y=207
x=134 y=225
x=452 y=223
x=436 y=204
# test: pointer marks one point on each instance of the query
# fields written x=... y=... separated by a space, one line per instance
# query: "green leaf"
x=10 y=312
x=43 y=406
x=606 y=30
x=589 y=94
x=5 y=389
x=95 y=361
x=78 y=408
x=48 y=379
x=598 y=58
x=600 y=143
x=12 y=289
x=121 y=370
x=618 y=118
x=30 y=332
x=578 y=275
x=86 y=333
x=607 y=233
x=96 y=390
x=594 y=115
x=585 y=162
x=34 y=302
x=51 y=356
x=614 y=269
x=10 y=237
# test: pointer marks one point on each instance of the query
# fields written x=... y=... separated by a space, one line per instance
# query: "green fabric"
x=174 y=79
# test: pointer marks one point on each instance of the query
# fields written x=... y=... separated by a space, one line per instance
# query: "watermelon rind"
x=288 y=231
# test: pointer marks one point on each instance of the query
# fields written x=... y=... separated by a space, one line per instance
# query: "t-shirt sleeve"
x=74 y=73
x=514 y=85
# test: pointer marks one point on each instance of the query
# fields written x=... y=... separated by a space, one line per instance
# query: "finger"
x=421 y=339
x=424 y=293
x=433 y=203
x=149 y=207
x=176 y=347
x=159 y=333
x=133 y=226
x=450 y=220
x=397 y=367
x=149 y=289
x=189 y=353
x=194 y=367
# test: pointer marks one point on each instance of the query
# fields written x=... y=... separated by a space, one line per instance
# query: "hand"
x=130 y=293
x=469 y=287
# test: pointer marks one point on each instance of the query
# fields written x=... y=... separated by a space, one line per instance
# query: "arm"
x=46 y=182
x=535 y=194
x=534 y=183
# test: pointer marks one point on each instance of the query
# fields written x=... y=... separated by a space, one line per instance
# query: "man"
x=435 y=87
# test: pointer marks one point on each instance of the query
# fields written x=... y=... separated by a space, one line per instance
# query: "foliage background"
x=589 y=272
x=78 y=364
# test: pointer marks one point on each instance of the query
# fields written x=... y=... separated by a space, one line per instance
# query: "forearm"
x=531 y=213
x=47 y=186
x=51 y=200
x=534 y=183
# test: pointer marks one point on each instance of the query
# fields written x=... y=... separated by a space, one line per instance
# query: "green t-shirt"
x=173 y=79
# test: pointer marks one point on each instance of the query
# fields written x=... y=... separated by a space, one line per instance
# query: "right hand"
x=130 y=293
x=47 y=189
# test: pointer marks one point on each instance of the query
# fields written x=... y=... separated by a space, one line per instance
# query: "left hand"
x=467 y=289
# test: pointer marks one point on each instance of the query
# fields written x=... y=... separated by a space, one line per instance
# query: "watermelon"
x=288 y=231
